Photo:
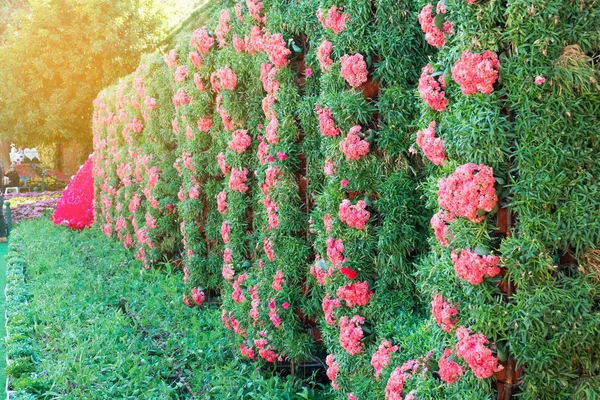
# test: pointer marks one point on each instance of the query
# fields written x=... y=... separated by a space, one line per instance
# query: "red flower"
x=349 y=273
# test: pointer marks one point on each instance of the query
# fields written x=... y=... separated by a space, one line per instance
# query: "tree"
x=58 y=54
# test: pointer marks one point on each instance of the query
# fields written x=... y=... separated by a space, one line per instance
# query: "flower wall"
x=402 y=191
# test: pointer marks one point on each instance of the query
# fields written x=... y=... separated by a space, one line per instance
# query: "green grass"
x=3 y=251
x=105 y=328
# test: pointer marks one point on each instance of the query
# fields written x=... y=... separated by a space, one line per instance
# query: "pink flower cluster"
x=449 y=371
x=223 y=27
x=197 y=296
x=278 y=280
x=326 y=123
x=255 y=9
x=247 y=351
x=332 y=370
x=356 y=294
x=351 y=333
x=273 y=316
x=467 y=191
x=472 y=348
x=222 y=202
x=271 y=131
x=238 y=179
x=240 y=141
x=353 y=147
x=431 y=89
x=265 y=351
x=255 y=302
x=381 y=358
x=354 y=69
x=355 y=215
x=268 y=77
x=181 y=98
x=472 y=267
x=275 y=47
x=228 y=272
x=272 y=209
x=225 y=169
x=204 y=124
x=335 y=20
x=439 y=223
x=476 y=72
x=227 y=78
x=225 y=231
x=324 y=55
x=181 y=73
x=433 y=35
x=432 y=147
x=321 y=274
x=329 y=305
x=202 y=41
x=443 y=313
x=268 y=248
x=335 y=251
x=196 y=59
x=237 y=295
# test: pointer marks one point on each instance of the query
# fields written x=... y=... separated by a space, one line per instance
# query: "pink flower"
x=395 y=385
x=196 y=59
x=171 y=59
x=324 y=55
x=194 y=192
x=268 y=77
x=433 y=35
x=476 y=72
x=223 y=27
x=225 y=169
x=443 y=313
x=472 y=349
x=468 y=191
x=247 y=352
x=344 y=182
x=197 y=296
x=329 y=168
x=349 y=273
x=278 y=280
x=180 y=98
x=449 y=371
x=222 y=202
x=308 y=72
x=225 y=231
x=356 y=294
x=272 y=209
x=432 y=147
x=539 y=79
x=237 y=295
x=227 y=78
x=472 y=267
x=239 y=44
x=431 y=89
x=201 y=40
x=329 y=305
x=326 y=123
x=268 y=248
x=335 y=250
x=267 y=105
x=186 y=301
x=439 y=223
x=381 y=358
x=150 y=103
x=355 y=216
x=228 y=272
x=332 y=370
x=273 y=316
x=198 y=82
x=255 y=8
x=353 y=147
x=204 y=124
x=180 y=73
x=351 y=333
x=263 y=153
x=238 y=179
x=335 y=20
x=282 y=156
x=354 y=70
x=255 y=43
x=275 y=47
x=271 y=132
x=272 y=176
x=227 y=257
x=285 y=305
x=328 y=222
x=320 y=273
x=240 y=141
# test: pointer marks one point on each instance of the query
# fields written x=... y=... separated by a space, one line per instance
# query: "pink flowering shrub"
x=354 y=215
x=381 y=358
x=433 y=35
x=432 y=147
x=468 y=191
x=326 y=123
x=354 y=69
x=476 y=72
x=240 y=141
x=353 y=147
x=472 y=348
x=351 y=333
x=334 y=20
x=238 y=179
x=431 y=89
x=75 y=208
x=450 y=372
x=472 y=267
x=439 y=223
x=443 y=313
x=324 y=55
x=356 y=294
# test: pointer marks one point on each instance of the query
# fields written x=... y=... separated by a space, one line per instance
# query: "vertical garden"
x=404 y=193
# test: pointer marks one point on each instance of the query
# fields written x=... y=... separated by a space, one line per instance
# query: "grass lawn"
x=105 y=328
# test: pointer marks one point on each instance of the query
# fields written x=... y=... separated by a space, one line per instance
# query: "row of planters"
x=293 y=156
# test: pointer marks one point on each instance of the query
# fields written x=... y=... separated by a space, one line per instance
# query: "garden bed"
x=84 y=320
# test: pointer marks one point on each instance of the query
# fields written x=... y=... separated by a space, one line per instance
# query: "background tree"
x=56 y=55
